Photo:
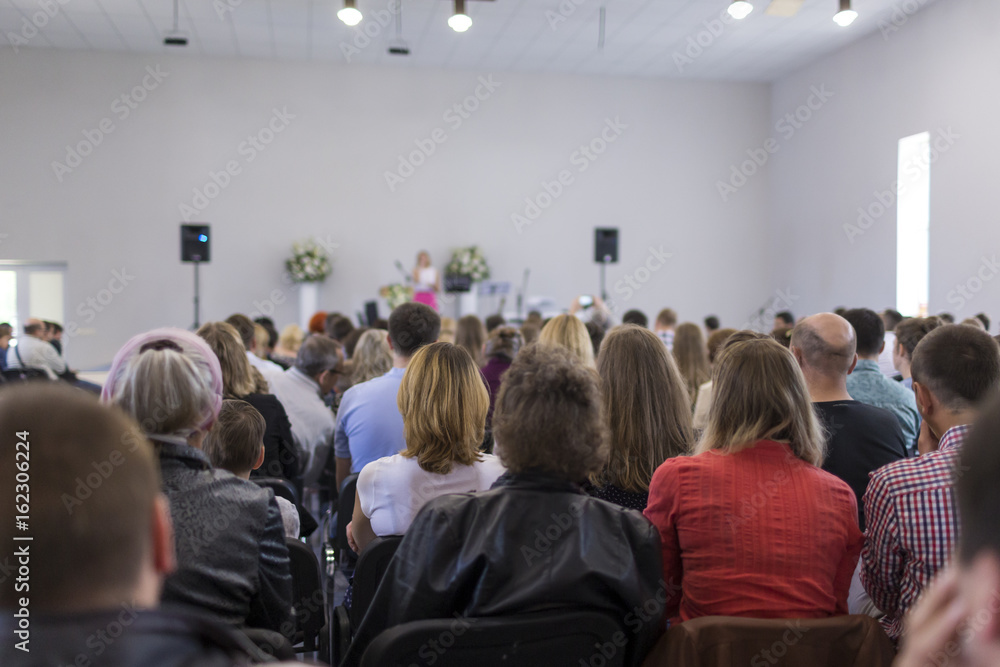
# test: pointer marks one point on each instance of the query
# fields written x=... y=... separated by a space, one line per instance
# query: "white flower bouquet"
x=309 y=263
x=469 y=262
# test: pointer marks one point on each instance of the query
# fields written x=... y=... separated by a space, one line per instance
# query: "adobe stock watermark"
x=96 y=303
x=37 y=21
x=901 y=13
x=967 y=291
x=913 y=169
x=455 y=116
x=633 y=282
x=566 y=9
x=764 y=318
x=637 y=620
x=740 y=174
x=121 y=108
x=702 y=40
x=248 y=150
x=581 y=158
x=779 y=648
x=366 y=33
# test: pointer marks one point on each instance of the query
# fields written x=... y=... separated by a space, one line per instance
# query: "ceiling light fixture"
x=460 y=21
x=740 y=9
x=350 y=14
x=846 y=15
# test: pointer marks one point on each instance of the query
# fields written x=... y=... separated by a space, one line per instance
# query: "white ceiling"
x=643 y=37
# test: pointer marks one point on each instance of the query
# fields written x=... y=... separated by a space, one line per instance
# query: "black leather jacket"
x=127 y=637
x=231 y=556
x=532 y=542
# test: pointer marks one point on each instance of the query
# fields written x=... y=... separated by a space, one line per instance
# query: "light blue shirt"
x=868 y=385
x=369 y=425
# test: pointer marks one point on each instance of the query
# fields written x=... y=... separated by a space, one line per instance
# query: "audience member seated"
x=860 y=438
x=494 y=321
x=569 y=332
x=703 y=402
x=267 y=340
x=372 y=356
x=530 y=332
x=909 y=332
x=288 y=343
x=470 y=334
x=447 y=330
x=337 y=327
x=6 y=333
x=946 y=318
x=866 y=382
x=691 y=355
x=32 y=350
x=750 y=525
x=98 y=553
x=954 y=623
x=231 y=554
x=494 y=554
x=350 y=341
x=783 y=335
x=236 y=444
x=974 y=322
x=646 y=407
x=666 y=320
x=501 y=349
x=281 y=458
x=317 y=323
x=636 y=317
x=910 y=505
x=245 y=328
x=53 y=334
x=443 y=403
x=596 y=334
x=301 y=390
x=711 y=325
x=369 y=425
x=890 y=319
x=784 y=320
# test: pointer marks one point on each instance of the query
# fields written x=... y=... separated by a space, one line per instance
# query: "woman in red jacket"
x=750 y=525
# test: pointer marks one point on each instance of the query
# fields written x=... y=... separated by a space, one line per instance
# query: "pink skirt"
x=427 y=298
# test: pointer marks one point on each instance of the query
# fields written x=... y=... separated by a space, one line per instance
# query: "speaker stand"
x=197 y=290
x=604 y=284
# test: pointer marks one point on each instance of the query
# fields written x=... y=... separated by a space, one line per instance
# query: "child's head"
x=236 y=442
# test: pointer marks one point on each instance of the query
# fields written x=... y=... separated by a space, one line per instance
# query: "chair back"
x=281 y=487
x=346 y=558
x=371 y=567
x=726 y=641
x=308 y=606
x=559 y=637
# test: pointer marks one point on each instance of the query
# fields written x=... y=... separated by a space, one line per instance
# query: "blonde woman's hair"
x=225 y=341
x=646 y=405
x=691 y=355
x=372 y=356
x=759 y=393
x=291 y=338
x=447 y=334
x=444 y=402
x=569 y=332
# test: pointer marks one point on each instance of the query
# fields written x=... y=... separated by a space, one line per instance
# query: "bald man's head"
x=826 y=343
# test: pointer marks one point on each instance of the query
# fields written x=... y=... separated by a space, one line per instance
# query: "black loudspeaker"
x=371 y=312
x=606 y=245
x=195 y=243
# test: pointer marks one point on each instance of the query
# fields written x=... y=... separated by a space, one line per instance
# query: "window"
x=913 y=225
x=31 y=289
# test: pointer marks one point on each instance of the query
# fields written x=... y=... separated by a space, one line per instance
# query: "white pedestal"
x=468 y=302
x=308 y=303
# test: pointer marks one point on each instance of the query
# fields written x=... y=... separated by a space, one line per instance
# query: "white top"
x=702 y=405
x=268 y=369
x=426 y=279
x=289 y=517
x=36 y=353
x=885 y=363
x=312 y=422
x=393 y=489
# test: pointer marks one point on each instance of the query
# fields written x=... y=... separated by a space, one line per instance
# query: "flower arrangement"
x=309 y=263
x=469 y=262
x=396 y=295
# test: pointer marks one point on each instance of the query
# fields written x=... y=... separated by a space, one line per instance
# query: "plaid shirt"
x=912 y=528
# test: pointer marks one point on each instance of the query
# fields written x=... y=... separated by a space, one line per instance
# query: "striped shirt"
x=912 y=528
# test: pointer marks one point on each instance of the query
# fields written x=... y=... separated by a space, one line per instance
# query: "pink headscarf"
x=192 y=346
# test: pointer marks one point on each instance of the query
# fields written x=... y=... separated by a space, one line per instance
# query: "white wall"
x=324 y=176
x=931 y=71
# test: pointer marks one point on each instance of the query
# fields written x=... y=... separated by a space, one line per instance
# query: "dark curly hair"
x=549 y=415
